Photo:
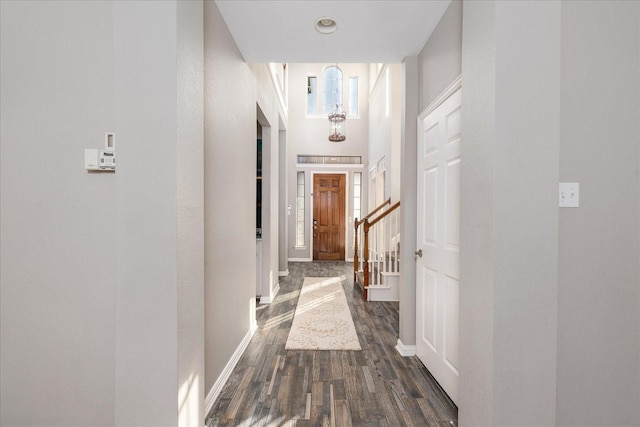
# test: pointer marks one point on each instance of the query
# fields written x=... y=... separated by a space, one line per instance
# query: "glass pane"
x=300 y=210
x=353 y=96
x=332 y=89
x=312 y=97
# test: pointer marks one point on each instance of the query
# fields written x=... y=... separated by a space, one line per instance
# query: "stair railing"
x=356 y=224
x=382 y=255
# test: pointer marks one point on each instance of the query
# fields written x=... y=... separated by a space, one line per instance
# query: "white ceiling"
x=367 y=30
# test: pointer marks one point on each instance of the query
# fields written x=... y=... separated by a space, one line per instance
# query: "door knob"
x=419 y=253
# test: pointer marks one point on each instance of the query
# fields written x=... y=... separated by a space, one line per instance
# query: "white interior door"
x=438 y=239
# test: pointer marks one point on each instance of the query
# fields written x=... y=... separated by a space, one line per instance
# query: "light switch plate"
x=569 y=195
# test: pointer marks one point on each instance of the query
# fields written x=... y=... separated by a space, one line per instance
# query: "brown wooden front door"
x=328 y=217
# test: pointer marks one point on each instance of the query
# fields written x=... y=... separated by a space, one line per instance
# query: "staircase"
x=377 y=265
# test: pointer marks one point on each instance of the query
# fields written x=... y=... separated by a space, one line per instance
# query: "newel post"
x=365 y=283
x=355 y=252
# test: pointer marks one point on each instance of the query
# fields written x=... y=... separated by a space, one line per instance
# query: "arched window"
x=332 y=87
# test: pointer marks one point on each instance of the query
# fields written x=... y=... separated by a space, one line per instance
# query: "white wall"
x=384 y=128
x=309 y=135
x=57 y=221
x=598 y=311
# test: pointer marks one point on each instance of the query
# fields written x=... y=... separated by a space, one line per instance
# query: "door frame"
x=346 y=210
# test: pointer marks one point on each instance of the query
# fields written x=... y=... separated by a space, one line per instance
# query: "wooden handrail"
x=373 y=212
x=356 y=224
x=385 y=213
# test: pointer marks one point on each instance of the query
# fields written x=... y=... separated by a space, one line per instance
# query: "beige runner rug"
x=322 y=320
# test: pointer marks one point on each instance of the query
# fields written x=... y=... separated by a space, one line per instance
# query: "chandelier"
x=336 y=119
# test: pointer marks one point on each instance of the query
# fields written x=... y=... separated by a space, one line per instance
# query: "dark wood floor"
x=376 y=386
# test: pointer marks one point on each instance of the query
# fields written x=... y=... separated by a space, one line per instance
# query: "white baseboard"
x=300 y=259
x=269 y=300
x=405 y=350
x=283 y=273
x=226 y=372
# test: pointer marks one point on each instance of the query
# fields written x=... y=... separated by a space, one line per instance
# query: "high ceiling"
x=367 y=30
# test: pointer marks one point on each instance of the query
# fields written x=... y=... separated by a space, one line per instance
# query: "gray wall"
x=408 y=185
x=440 y=60
x=190 y=214
x=270 y=116
x=57 y=221
x=93 y=263
x=555 y=291
x=283 y=234
x=509 y=219
x=146 y=275
x=230 y=194
x=598 y=311
x=158 y=108
x=424 y=77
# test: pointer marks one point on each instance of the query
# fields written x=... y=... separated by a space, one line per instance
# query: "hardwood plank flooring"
x=271 y=386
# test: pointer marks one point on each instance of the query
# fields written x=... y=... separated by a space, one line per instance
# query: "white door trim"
x=438 y=209
x=450 y=90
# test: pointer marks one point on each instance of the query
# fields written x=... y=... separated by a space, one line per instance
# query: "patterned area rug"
x=322 y=320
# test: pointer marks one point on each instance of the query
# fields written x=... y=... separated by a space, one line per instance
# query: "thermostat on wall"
x=102 y=160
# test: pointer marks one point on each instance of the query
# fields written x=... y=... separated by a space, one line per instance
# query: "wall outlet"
x=569 y=195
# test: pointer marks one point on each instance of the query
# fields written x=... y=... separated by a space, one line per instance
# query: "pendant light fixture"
x=337 y=117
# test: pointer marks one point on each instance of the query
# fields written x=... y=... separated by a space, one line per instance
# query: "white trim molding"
x=405 y=350
x=329 y=166
x=454 y=86
x=283 y=273
x=226 y=372
x=270 y=298
x=282 y=99
x=300 y=259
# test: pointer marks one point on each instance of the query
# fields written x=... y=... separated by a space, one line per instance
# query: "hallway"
x=271 y=386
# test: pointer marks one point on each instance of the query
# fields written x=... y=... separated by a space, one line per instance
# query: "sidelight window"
x=300 y=237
